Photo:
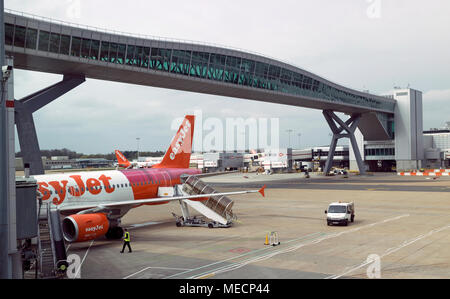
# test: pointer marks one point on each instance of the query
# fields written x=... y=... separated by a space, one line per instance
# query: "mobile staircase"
x=216 y=210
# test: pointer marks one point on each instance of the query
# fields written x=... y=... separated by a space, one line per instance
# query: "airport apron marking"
x=289 y=249
x=235 y=257
x=390 y=251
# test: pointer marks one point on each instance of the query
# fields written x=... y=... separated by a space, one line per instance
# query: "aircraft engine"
x=84 y=227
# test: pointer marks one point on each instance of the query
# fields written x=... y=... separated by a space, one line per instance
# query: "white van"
x=340 y=213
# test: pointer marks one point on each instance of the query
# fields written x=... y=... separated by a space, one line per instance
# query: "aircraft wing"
x=130 y=203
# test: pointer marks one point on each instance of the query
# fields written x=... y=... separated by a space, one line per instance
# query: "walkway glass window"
x=31 y=38
x=64 y=47
x=199 y=64
x=44 y=38
x=180 y=62
x=104 y=51
x=216 y=67
x=130 y=55
x=54 y=42
x=113 y=52
x=85 y=47
x=232 y=69
x=76 y=46
x=121 y=53
x=246 y=73
x=160 y=59
x=9 y=34
x=19 y=37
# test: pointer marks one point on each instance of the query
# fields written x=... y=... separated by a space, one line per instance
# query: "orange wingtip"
x=262 y=190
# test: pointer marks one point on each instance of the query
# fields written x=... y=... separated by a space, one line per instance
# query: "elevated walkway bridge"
x=78 y=52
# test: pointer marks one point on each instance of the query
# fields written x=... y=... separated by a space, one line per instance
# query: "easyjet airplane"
x=123 y=162
x=95 y=201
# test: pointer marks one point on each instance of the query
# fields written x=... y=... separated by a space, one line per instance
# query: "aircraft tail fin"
x=123 y=162
x=179 y=152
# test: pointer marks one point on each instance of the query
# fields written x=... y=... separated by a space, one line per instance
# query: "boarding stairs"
x=218 y=209
x=46 y=256
x=51 y=253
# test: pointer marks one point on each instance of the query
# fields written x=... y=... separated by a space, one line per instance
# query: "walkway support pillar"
x=26 y=129
x=337 y=126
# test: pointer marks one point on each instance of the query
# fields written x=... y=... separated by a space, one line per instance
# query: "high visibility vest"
x=127 y=237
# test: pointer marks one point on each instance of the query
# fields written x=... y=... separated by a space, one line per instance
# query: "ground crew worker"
x=126 y=241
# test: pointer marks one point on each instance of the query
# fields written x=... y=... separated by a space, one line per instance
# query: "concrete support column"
x=26 y=129
x=349 y=127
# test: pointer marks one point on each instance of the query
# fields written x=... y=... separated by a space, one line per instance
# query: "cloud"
x=436 y=108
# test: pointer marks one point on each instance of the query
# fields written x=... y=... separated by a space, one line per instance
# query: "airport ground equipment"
x=340 y=213
x=222 y=205
x=272 y=239
x=199 y=221
x=51 y=252
x=216 y=210
x=26 y=223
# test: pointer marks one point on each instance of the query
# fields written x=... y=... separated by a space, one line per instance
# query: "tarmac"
x=401 y=230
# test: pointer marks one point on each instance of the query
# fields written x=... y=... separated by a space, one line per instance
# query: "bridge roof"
x=46 y=45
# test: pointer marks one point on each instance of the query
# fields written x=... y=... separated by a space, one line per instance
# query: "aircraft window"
x=121 y=185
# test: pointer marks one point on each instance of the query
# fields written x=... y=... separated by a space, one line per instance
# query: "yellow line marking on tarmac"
x=147 y=268
x=206 y=276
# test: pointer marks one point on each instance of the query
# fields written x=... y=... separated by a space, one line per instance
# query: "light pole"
x=289 y=132
x=137 y=139
x=299 y=135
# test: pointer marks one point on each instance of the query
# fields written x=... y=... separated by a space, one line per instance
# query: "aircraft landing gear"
x=114 y=233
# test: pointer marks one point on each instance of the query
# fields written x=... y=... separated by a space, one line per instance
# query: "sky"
x=373 y=45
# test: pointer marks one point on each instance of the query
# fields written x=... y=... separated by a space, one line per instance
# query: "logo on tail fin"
x=179 y=153
x=121 y=159
x=180 y=140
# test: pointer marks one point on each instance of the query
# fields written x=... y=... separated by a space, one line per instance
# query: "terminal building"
x=63 y=162
x=411 y=147
x=222 y=161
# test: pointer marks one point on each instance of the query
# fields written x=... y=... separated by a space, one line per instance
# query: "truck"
x=340 y=213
